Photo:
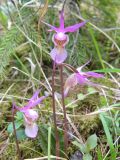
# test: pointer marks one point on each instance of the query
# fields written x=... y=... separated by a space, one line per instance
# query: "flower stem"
x=65 y=126
x=54 y=112
x=16 y=140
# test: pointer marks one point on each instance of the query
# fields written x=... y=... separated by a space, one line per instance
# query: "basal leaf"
x=82 y=147
x=87 y=157
x=17 y=125
x=91 y=142
x=21 y=134
x=19 y=115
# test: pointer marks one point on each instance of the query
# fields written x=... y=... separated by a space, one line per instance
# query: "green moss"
x=28 y=150
x=88 y=125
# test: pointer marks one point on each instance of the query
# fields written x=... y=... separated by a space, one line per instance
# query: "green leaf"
x=81 y=96
x=82 y=147
x=21 y=134
x=17 y=125
x=87 y=157
x=91 y=90
x=91 y=142
x=19 y=115
x=115 y=105
x=3 y=19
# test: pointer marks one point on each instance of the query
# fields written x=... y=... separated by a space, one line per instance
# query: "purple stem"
x=16 y=140
x=54 y=112
x=65 y=126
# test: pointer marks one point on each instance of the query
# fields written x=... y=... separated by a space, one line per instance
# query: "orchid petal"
x=70 y=82
x=81 y=79
x=61 y=20
x=81 y=67
x=93 y=74
x=31 y=130
x=53 y=28
x=58 y=55
x=91 y=83
x=74 y=27
x=32 y=104
x=66 y=90
x=35 y=95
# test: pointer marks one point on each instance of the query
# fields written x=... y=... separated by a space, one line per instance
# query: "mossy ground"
x=86 y=125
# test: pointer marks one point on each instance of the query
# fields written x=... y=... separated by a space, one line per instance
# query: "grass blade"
x=97 y=47
x=49 y=143
x=109 y=137
x=107 y=70
x=99 y=154
x=21 y=63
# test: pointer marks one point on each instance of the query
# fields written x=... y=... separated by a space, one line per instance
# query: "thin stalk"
x=16 y=140
x=54 y=112
x=49 y=143
x=65 y=126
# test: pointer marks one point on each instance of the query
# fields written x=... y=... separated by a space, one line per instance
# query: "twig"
x=64 y=2
x=46 y=157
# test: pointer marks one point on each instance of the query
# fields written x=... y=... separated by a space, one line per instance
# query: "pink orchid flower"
x=30 y=115
x=60 y=39
x=81 y=78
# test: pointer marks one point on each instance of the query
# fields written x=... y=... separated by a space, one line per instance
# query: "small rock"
x=77 y=156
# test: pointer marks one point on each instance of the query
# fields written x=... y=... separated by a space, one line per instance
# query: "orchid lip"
x=58 y=54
